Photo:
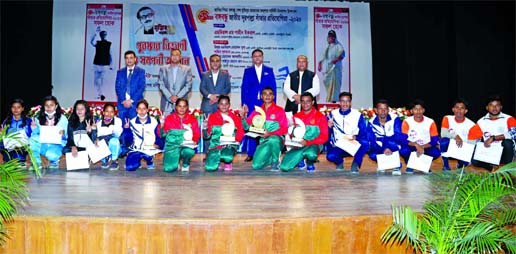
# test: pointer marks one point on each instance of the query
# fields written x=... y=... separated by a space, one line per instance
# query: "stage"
x=240 y=211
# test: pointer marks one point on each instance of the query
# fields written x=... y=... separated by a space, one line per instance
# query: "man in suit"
x=297 y=83
x=129 y=88
x=255 y=79
x=213 y=84
x=175 y=81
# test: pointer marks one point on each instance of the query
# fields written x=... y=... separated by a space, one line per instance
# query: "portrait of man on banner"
x=332 y=51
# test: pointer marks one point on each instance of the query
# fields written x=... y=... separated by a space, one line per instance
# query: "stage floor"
x=242 y=193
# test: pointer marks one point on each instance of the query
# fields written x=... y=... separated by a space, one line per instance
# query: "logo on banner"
x=203 y=15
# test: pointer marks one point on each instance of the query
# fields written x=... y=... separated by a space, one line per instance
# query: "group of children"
x=385 y=133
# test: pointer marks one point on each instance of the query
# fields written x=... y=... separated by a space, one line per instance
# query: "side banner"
x=233 y=32
x=331 y=35
x=101 y=51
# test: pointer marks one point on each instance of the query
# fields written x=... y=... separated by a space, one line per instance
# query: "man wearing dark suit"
x=129 y=86
x=255 y=79
x=297 y=83
x=213 y=84
x=175 y=81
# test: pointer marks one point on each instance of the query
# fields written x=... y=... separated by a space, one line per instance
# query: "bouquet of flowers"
x=325 y=110
x=96 y=112
x=67 y=111
x=34 y=111
x=155 y=112
x=197 y=112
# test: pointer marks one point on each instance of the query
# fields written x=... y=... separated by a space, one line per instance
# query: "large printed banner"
x=232 y=32
x=101 y=51
x=331 y=35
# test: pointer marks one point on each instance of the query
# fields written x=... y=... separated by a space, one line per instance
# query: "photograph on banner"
x=155 y=30
x=101 y=52
x=232 y=32
x=331 y=40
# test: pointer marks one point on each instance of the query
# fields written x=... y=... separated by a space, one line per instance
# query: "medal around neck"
x=228 y=129
x=258 y=121
x=296 y=133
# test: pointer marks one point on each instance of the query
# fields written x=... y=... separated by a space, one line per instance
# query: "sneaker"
x=54 y=165
x=114 y=165
x=310 y=168
x=409 y=171
x=396 y=172
x=340 y=167
x=105 y=164
x=354 y=168
x=150 y=166
x=228 y=167
x=185 y=168
x=275 y=166
x=301 y=165
x=446 y=169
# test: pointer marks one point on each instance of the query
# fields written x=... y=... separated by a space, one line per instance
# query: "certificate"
x=463 y=153
x=98 y=153
x=491 y=154
x=421 y=163
x=351 y=146
x=82 y=140
x=225 y=143
x=50 y=135
x=79 y=162
x=150 y=152
x=388 y=161
x=15 y=140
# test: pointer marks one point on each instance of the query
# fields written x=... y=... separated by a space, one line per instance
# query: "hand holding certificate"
x=99 y=152
x=351 y=146
x=388 y=161
x=491 y=154
x=50 y=135
x=421 y=163
x=79 y=162
x=463 y=153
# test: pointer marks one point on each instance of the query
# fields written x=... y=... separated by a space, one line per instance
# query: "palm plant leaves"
x=471 y=216
x=13 y=185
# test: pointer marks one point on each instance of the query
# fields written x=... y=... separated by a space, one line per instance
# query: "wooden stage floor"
x=241 y=211
x=242 y=193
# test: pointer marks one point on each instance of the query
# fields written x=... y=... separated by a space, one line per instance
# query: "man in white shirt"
x=298 y=82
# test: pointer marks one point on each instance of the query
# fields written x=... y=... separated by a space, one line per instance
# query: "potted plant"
x=473 y=214
x=14 y=174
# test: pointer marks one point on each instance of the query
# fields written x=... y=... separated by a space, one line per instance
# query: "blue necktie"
x=129 y=81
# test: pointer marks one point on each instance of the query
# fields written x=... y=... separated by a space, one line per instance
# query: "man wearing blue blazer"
x=256 y=78
x=213 y=84
x=129 y=86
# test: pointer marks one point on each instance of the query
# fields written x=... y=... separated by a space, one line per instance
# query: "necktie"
x=129 y=81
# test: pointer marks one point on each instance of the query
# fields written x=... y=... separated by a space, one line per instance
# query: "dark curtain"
x=438 y=51
x=26 y=52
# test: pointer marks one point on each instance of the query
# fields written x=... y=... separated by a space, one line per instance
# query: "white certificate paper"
x=463 y=153
x=79 y=162
x=388 y=161
x=421 y=163
x=50 y=135
x=350 y=146
x=491 y=154
x=98 y=153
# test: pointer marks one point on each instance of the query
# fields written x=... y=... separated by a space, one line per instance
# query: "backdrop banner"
x=101 y=52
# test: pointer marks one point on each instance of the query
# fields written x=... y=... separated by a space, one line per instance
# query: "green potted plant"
x=472 y=214
x=14 y=193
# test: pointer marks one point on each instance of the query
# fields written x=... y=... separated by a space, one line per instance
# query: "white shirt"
x=316 y=87
x=258 y=70
x=214 y=76
x=127 y=95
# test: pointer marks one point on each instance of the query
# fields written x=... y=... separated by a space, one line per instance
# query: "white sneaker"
x=396 y=172
x=185 y=169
